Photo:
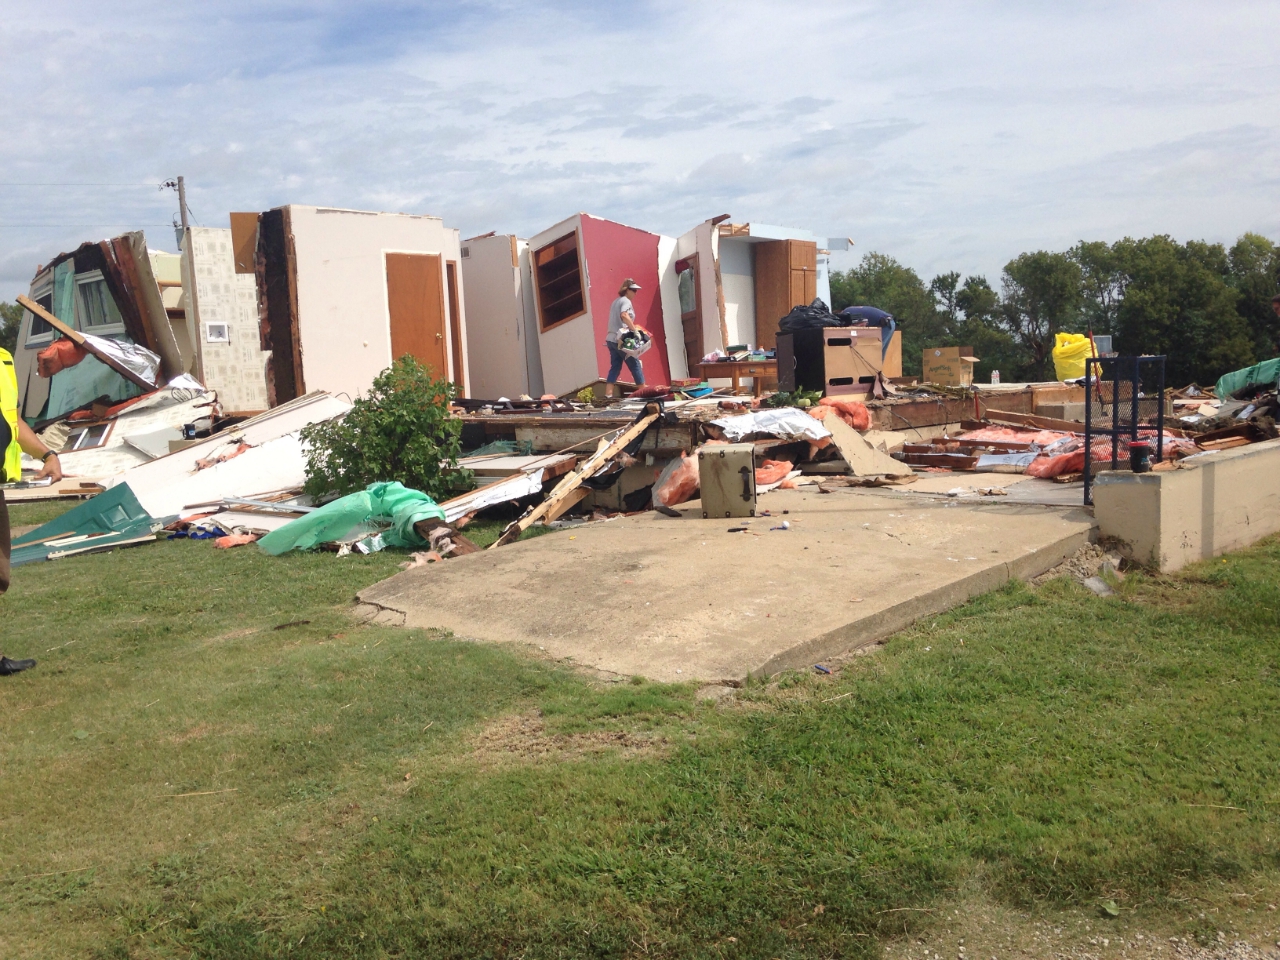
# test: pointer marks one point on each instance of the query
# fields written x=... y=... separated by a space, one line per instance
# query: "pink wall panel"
x=613 y=253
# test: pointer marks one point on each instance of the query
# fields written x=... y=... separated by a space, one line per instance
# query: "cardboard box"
x=949 y=366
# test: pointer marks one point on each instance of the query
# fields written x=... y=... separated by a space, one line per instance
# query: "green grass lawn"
x=213 y=760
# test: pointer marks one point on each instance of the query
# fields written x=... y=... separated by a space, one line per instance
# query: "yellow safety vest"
x=9 y=406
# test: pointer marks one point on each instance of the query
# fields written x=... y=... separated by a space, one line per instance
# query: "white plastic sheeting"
x=786 y=423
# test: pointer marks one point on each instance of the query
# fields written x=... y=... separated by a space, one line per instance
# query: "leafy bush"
x=401 y=431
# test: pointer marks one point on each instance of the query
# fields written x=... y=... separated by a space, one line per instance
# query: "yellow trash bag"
x=1069 y=353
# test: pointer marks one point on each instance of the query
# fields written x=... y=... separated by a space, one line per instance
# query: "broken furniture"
x=735 y=370
x=830 y=360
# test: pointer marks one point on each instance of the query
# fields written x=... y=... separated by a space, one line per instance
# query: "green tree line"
x=10 y=317
x=1207 y=308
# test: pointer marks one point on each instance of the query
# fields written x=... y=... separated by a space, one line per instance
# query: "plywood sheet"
x=244 y=241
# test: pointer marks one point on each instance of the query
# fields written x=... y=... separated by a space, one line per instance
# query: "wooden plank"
x=956 y=461
x=899 y=415
x=573 y=481
x=567 y=503
x=455 y=326
x=75 y=336
x=1039 y=423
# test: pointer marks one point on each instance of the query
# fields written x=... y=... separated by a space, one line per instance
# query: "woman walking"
x=622 y=316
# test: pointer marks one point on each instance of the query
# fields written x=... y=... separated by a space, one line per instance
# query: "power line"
x=149 y=186
x=23 y=226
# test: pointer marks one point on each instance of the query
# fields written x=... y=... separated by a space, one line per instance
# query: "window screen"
x=559 y=275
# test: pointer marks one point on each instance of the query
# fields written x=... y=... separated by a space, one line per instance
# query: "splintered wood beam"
x=76 y=337
x=573 y=481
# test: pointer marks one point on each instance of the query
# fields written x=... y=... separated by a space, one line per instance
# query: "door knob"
x=439 y=336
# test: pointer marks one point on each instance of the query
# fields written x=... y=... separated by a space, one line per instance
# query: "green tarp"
x=1260 y=374
x=380 y=503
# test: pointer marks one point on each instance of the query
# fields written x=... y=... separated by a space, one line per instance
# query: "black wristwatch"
x=47 y=455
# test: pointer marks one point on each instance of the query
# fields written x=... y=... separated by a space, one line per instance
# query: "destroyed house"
x=115 y=289
x=576 y=269
x=343 y=293
x=737 y=280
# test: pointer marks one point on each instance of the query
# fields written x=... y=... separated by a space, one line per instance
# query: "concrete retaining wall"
x=1214 y=503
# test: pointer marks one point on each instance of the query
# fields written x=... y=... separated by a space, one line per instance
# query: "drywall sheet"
x=496 y=338
x=673 y=329
x=274 y=462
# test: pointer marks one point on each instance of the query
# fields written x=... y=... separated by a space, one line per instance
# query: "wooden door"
x=415 y=300
x=455 y=325
x=690 y=292
x=786 y=276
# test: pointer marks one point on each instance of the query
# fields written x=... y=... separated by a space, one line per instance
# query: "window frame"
x=538 y=284
x=104 y=329
x=82 y=430
x=44 y=338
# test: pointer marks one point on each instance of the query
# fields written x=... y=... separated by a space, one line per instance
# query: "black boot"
x=8 y=666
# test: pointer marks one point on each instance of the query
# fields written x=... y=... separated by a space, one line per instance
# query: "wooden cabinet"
x=786 y=276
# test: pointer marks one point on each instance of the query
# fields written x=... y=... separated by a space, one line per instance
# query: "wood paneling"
x=455 y=325
x=786 y=276
x=244 y=240
x=415 y=300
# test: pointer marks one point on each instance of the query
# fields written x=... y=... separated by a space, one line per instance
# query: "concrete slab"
x=684 y=599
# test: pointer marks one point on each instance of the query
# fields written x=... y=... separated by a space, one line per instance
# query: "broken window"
x=41 y=331
x=688 y=290
x=559 y=276
x=98 y=312
x=86 y=437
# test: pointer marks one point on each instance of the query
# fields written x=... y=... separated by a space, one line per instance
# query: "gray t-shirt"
x=616 y=326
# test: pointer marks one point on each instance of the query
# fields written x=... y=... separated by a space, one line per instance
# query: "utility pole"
x=187 y=251
x=182 y=204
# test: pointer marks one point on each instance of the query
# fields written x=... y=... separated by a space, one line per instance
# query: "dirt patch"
x=198 y=732
x=524 y=738
x=1083 y=564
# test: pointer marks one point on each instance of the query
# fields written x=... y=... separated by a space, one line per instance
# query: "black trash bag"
x=813 y=317
x=871 y=316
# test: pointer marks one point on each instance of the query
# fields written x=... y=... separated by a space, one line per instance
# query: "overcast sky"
x=948 y=135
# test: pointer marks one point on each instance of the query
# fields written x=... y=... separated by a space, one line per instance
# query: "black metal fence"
x=1124 y=401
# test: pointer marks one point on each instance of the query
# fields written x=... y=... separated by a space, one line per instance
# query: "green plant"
x=801 y=398
x=401 y=431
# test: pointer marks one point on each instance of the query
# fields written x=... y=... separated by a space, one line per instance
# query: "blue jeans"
x=616 y=357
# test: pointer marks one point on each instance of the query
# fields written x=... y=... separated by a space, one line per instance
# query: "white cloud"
x=952 y=136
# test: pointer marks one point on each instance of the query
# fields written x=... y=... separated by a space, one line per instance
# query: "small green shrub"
x=401 y=431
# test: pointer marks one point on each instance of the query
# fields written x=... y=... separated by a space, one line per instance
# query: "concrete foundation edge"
x=901 y=615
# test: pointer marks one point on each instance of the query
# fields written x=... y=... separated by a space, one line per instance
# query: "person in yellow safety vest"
x=16 y=437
